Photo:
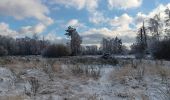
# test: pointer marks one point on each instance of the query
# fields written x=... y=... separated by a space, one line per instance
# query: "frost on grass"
x=74 y=79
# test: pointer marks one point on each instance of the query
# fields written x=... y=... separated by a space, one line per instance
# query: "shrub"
x=161 y=50
x=138 y=50
x=3 y=51
x=53 y=51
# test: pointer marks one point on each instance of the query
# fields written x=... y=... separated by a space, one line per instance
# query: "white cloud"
x=91 y=6
x=124 y=4
x=6 y=31
x=140 y=17
x=79 y=4
x=101 y=31
x=20 y=10
x=97 y=17
x=75 y=23
x=159 y=10
x=25 y=9
x=95 y=35
x=122 y=22
x=120 y=27
x=39 y=28
x=52 y=37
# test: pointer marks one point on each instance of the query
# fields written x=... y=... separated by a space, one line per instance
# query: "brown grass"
x=122 y=73
x=141 y=70
x=17 y=97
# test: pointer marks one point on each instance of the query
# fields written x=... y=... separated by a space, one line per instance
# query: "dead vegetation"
x=140 y=71
x=17 y=97
x=86 y=70
x=60 y=76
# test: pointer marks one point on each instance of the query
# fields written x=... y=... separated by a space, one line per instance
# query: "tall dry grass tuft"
x=34 y=85
x=90 y=71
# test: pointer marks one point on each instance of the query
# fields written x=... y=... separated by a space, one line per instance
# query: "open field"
x=83 y=78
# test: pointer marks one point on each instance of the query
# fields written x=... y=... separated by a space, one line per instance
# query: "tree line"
x=154 y=39
x=36 y=46
x=21 y=46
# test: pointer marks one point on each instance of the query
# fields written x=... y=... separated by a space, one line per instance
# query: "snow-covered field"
x=36 y=78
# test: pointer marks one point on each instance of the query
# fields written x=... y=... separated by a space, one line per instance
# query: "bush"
x=53 y=51
x=161 y=50
x=139 y=50
x=3 y=51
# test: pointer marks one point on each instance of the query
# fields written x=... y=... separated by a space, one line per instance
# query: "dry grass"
x=129 y=71
x=144 y=97
x=122 y=73
x=158 y=70
x=139 y=70
x=57 y=67
x=18 y=97
x=88 y=71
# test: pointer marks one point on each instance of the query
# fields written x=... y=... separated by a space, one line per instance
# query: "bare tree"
x=167 y=22
x=155 y=26
x=90 y=50
x=112 y=45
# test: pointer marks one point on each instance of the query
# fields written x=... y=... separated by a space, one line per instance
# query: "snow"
x=66 y=85
x=7 y=80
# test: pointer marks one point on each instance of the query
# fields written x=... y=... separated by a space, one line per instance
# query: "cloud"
x=121 y=22
x=120 y=27
x=95 y=35
x=90 y=5
x=124 y=4
x=100 y=31
x=159 y=10
x=25 y=9
x=6 y=31
x=52 y=37
x=140 y=17
x=75 y=23
x=39 y=28
x=78 y=4
x=97 y=17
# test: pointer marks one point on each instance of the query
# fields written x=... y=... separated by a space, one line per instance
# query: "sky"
x=93 y=19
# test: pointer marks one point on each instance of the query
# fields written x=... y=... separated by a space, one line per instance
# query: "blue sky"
x=93 y=19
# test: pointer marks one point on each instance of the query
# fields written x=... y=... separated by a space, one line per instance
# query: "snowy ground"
x=36 y=78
